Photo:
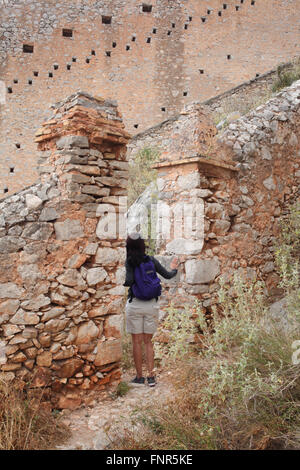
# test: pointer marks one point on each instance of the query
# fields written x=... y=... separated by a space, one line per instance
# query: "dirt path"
x=92 y=428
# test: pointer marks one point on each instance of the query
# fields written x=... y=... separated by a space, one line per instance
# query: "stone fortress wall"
x=245 y=183
x=61 y=293
x=61 y=276
x=153 y=57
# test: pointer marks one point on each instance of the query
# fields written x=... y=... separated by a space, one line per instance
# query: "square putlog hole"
x=67 y=33
x=106 y=19
x=28 y=49
x=146 y=8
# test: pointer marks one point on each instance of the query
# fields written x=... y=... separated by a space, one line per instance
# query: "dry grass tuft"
x=27 y=423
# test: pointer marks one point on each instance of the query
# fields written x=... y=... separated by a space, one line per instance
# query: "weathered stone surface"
x=269 y=183
x=201 y=271
x=220 y=227
x=10 y=330
x=9 y=307
x=70 y=141
x=11 y=244
x=18 y=339
x=72 y=278
x=48 y=214
x=68 y=229
x=91 y=248
x=36 y=303
x=64 y=354
x=41 y=377
x=38 y=231
x=55 y=325
x=95 y=190
x=53 y=313
x=69 y=403
x=9 y=290
x=70 y=367
x=29 y=273
x=87 y=332
x=113 y=326
x=214 y=210
x=95 y=275
x=108 y=352
x=29 y=333
x=181 y=246
x=189 y=181
x=44 y=359
x=76 y=261
x=107 y=256
x=23 y=317
x=33 y=202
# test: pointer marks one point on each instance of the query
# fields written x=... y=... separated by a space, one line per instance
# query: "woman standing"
x=142 y=303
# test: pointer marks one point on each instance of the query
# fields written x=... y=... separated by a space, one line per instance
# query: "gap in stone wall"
x=106 y=19
x=28 y=49
x=146 y=8
x=67 y=33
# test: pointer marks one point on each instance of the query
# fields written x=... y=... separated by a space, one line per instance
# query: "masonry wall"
x=61 y=271
x=244 y=187
x=153 y=62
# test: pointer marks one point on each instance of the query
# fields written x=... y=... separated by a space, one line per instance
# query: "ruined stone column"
x=62 y=256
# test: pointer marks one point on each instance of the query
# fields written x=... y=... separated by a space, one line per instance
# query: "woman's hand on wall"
x=174 y=263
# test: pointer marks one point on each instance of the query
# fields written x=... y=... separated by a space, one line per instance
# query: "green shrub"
x=285 y=79
x=141 y=173
x=242 y=390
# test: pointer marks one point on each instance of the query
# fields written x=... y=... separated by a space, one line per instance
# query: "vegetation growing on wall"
x=141 y=173
x=241 y=389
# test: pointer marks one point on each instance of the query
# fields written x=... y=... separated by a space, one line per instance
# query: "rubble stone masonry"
x=61 y=290
x=244 y=185
x=153 y=57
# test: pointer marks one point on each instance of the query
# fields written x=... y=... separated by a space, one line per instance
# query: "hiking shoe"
x=151 y=381
x=138 y=381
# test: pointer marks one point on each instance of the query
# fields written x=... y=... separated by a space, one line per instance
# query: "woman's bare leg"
x=149 y=353
x=137 y=340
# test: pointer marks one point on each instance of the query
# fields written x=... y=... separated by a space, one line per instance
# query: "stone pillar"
x=61 y=312
x=196 y=193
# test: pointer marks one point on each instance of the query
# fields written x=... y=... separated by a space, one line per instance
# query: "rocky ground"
x=95 y=427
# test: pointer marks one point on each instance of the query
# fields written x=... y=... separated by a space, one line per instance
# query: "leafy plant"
x=141 y=173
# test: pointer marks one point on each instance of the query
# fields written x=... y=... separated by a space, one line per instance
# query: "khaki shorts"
x=141 y=316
